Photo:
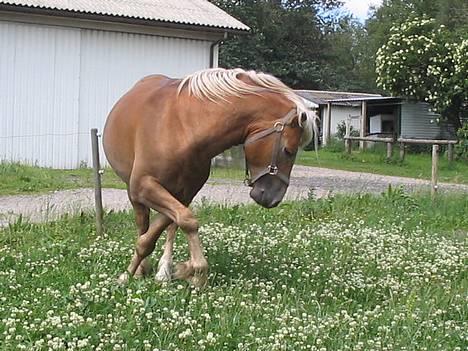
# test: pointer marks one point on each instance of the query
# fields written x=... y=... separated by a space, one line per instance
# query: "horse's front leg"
x=150 y=193
x=164 y=273
x=145 y=246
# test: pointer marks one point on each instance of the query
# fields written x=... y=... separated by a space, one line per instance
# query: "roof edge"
x=118 y=19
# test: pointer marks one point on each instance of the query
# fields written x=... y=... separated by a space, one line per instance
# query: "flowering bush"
x=420 y=62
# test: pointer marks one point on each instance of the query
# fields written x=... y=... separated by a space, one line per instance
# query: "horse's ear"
x=303 y=118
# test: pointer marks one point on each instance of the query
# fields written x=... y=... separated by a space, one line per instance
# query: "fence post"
x=97 y=181
x=450 y=152
x=348 y=142
x=435 y=161
x=402 y=152
x=389 y=150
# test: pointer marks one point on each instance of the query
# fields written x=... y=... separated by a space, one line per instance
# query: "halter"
x=272 y=169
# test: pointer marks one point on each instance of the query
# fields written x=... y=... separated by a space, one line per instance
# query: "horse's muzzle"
x=268 y=191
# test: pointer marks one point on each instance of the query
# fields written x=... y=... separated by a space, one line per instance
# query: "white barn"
x=63 y=64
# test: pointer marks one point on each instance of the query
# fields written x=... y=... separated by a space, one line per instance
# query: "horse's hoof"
x=183 y=270
x=123 y=278
x=199 y=279
x=164 y=273
x=196 y=277
x=143 y=270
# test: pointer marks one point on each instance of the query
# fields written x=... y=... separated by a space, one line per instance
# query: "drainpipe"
x=212 y=49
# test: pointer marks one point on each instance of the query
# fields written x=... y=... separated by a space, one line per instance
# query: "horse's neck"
x=225 y=128
x=231 y=131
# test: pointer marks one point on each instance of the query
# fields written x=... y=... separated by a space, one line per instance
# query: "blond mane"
x=216 y=84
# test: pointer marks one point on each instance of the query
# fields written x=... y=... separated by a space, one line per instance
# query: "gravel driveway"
x=321 y=181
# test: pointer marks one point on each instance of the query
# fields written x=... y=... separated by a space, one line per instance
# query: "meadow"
x=356 y=272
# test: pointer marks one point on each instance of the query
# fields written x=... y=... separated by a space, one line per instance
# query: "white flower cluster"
x=420 y=62
x=327 y=285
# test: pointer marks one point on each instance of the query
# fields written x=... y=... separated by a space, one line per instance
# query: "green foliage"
x=341 y=130
x=296 y=42
x=461 y=148
x=420 y=62
x=334 y=145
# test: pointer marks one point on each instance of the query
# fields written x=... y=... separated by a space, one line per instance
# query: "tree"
x=422 y=62
x=287 y=39
x=348 y=67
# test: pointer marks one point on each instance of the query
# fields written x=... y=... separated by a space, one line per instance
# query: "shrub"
x=341 y=130
x=461 y=148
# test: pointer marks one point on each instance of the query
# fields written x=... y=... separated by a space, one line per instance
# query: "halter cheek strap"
x=272 y=168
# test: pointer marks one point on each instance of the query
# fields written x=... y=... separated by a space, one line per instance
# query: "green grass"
x=349 y=273
x=414 y=165
x=22 y=179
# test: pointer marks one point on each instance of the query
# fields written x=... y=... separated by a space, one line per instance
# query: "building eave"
x=119 y=19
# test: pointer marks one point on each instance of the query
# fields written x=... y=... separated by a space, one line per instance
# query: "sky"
x=359 y=8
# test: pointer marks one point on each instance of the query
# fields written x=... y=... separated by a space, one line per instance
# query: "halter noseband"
x=272 y=168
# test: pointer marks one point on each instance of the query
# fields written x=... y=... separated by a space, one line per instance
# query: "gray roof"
x=186 y=12
x=323 y=97
x=378 y=99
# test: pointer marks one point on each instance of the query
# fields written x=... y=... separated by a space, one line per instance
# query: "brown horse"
x=161 y=136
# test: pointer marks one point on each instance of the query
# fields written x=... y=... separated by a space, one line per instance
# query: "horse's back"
x=123 y=122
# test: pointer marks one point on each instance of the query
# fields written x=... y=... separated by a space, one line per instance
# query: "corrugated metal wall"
x=39 y=84
x=56 y=83
x=418 y=122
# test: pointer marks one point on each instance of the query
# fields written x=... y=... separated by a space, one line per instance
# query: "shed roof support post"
x=327 y=125
x=363 y=124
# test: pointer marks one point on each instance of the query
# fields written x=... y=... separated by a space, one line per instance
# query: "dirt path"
x=320 y=181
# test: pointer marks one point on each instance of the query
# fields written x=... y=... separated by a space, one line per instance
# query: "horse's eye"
x=288 y=152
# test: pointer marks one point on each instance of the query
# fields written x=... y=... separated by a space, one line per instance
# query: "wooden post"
x=328 y=123
x=363 y=126
x=450 y=152
x=435 y=161
x=402 y=151
x=97 y=181
x=348 y=142
x=348 y=126
x=348 y=145
x=389 y=150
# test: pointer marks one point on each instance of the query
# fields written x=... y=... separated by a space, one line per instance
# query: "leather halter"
x=272 y=169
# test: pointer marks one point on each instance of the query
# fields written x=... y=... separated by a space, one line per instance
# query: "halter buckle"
x=272 y=170
x=278 y=126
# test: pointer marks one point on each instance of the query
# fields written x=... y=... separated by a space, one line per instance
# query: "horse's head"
x=270 y=154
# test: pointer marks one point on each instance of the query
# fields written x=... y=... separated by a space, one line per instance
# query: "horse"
x=160 y=138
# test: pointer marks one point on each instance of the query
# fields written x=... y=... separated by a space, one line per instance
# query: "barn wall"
x=39 y=85
x=56 y=83
x=111 y=63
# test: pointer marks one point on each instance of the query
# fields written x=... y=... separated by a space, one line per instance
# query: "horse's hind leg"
x=165 y=263
x=149 y=192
